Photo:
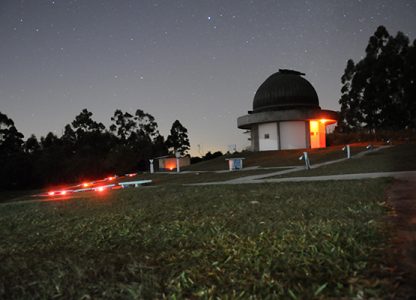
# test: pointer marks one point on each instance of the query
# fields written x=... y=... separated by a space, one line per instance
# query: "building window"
x=266 y=136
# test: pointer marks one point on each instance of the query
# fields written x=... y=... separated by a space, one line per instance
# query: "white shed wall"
x=268 y=139
x=292 y=135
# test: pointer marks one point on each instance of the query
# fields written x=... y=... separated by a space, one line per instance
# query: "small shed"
x=235 y=163
x=168 y=163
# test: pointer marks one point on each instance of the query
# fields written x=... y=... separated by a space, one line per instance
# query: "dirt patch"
x=401 y=198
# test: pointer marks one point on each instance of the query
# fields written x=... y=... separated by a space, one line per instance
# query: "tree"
x=377 y=91
x=84 y=123
x=49 y=141
x=178 y=139
x=124 y=125
x=147 y=124
x=13 y=162
x=138 y=140
x=11 y=140
x=32 y=145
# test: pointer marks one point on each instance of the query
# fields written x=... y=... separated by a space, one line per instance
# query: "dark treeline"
x=207 y=156
x=379 y=91
x=86 y=149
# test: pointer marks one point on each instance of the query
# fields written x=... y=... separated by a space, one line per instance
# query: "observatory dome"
x=284 y=90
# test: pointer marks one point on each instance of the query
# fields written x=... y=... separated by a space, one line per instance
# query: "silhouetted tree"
x=69 y=138
x=138 y=140
x=13 y=161
x=147 y=128
x=123 y=126
x=84 y=123
x=378 y=91
x=49 y=141
x=178 y=139
x=11 y=140
x=210 y=155
x=32 y=145
x=86 y=150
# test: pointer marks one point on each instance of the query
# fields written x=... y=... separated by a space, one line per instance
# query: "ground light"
x=347 y=150
x=95 y=186
x=305 y=157
x=152 y=169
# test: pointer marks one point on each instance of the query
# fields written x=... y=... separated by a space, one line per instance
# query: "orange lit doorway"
x=317 y=133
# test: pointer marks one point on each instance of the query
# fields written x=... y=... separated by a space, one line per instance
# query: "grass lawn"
x=277 y=158
x=300 y=241
x=16 y=195
x=187 y=178
x=397 y=158
x=158 y=179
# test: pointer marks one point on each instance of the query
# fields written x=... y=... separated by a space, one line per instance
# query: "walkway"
x=401 y=198
x=263 y=177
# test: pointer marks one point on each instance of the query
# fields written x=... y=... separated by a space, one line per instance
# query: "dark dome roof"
x=285 y=89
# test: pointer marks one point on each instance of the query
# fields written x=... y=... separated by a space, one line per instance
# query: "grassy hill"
x=169 y=241
x=281 y=158
x=268 y=240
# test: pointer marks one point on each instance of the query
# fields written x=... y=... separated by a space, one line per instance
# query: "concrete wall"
x=268 y=136
x=245 y=122
x=254 y=137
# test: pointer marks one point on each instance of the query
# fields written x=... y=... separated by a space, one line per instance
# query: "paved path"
x=404 y=175
x=263 y=177
x=299 y=168
x=401 y=198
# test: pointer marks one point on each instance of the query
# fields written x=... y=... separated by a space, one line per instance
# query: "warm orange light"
x=100 y=189
x=170 y=165
x=323 y=121
x=85 y=184
x=314 y=127
x=51 y=193
x=111 y=178
x=63 y=192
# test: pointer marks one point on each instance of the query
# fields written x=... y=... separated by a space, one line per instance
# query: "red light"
x=63 y=192
x=111 y=178
x=85 y=184
x=51 y=193
x=100 y=189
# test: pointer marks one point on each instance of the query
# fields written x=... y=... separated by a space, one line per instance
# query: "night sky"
x=196 y=61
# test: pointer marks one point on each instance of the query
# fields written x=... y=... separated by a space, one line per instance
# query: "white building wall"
x=268 y=139
x=292 y=135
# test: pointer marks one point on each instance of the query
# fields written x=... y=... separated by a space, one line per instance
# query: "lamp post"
x=177 y=155
x=305 y=157
x=152 y=170
x=348 y=150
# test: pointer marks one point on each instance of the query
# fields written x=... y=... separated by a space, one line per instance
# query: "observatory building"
x=286 y=114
